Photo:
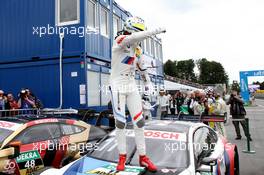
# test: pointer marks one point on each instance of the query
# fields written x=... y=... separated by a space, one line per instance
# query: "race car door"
x=36 y=142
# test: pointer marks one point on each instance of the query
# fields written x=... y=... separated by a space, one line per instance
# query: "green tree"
x=211 y=72
x=170 y=68
x=185 y=70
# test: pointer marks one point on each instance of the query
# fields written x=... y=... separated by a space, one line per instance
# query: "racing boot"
x=145 y=162
x=121 y=162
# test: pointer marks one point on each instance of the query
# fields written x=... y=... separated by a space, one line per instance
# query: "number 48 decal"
x=30 y=164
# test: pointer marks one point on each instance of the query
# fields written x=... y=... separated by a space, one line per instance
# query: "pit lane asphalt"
x=251 y=164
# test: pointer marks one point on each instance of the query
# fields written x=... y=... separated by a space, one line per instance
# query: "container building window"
x=151 y=46
x=67 y=12
x=92 y=14
x=116 y=25
x=104 y=22
x=145 y=46
x=142 y=45
x=157 y=54
x=154 y=48
x=160 y=52
x=122 y=24
x=93 y=85
x=105 y=93
x=148 y=45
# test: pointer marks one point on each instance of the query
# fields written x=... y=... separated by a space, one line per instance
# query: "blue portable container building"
x=30 y=49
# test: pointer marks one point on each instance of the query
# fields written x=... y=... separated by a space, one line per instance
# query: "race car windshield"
x=166 y=149
x=108 y=151
x=4 y=133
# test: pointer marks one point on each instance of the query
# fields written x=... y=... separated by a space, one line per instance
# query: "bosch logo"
x=162 y=135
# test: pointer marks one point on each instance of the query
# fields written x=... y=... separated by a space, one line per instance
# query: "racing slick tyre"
x=236 y=159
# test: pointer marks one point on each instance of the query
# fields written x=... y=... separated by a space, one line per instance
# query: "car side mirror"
x=207 y=165
x=16 y=145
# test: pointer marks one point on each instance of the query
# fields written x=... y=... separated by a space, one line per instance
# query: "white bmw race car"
x=176 y=147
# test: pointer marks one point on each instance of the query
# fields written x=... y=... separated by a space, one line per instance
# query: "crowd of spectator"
x=25 y=100
x=200 y=102
x=206 y=102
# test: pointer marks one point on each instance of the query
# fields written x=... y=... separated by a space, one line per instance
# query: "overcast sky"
x=227 y=31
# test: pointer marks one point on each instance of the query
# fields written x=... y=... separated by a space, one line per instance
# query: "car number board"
x=111 y=170
x=28 y=162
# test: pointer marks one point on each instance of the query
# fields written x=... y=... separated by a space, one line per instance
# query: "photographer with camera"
x=24 y=102
x=238 y=111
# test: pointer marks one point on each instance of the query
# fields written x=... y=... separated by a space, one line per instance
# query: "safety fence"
x=36 y=112
x=19 y=112
x=185 y=82
x=196 y=118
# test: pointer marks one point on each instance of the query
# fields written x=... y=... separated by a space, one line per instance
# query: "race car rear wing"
x=54 y=111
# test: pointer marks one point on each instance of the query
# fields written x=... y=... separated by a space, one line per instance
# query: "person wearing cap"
x=220 y=109
x=162 y=103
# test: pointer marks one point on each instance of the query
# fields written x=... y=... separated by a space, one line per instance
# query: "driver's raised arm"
x=138 y=37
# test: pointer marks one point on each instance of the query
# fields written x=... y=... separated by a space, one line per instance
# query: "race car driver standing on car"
x=124 y=90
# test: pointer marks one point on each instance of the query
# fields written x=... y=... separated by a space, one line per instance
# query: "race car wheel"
x=236 y=159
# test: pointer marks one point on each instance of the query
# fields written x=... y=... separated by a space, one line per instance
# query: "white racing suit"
x=123 y=86
x=220 y=110
x=162 y=103
x=147 y=108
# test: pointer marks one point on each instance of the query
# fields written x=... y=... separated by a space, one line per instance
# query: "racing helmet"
x=134 y=24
